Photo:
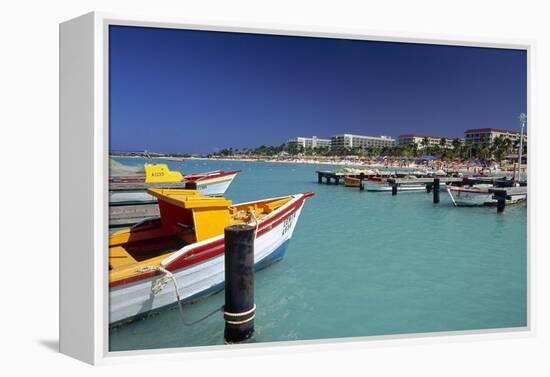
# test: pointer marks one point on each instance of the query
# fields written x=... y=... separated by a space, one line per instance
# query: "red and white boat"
x=212 y=183
x=477 y=195
x=181 y=254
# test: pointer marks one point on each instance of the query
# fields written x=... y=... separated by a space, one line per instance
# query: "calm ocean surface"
x=360 y=264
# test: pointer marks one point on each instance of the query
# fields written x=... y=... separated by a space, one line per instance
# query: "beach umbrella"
x=427 y=158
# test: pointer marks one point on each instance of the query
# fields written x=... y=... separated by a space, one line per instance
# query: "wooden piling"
x=361 y=184
x=319 y=178
x=394 y=189
x=239 y=309
x=501 y=203
x=436 y=190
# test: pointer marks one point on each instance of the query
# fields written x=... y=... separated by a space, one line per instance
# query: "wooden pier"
x=132 y=186
x=130 y=214
x=330 y=176
x=126 y=215
x=506 y=193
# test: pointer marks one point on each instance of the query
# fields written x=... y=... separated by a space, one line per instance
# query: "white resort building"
x=360 y=141
x=408 y=139
x=308 y=142
x=485 y=136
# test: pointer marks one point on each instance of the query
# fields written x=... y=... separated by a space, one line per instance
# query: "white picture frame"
x=84 y=180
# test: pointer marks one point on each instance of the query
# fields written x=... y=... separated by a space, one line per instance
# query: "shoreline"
x=468 y=167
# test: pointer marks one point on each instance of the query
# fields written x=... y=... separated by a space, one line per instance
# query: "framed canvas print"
x=231 y=187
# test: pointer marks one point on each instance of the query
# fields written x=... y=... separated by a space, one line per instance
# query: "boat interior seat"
x=118 y=256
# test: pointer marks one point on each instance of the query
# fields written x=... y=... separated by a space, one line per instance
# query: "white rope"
x=240 y=314
x=161 y=283
x=251 y=216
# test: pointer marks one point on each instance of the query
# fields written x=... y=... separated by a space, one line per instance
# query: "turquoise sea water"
x=360 y=264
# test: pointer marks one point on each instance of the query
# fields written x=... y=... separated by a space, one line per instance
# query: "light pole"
x=522 y=121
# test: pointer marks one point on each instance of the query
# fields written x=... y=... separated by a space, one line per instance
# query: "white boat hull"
x=466 y=198
x=385 y=188
x=134 y=299
x=210 y=187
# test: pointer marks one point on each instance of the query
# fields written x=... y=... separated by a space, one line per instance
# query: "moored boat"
x=208 y=183
x=351 y=181
x=382 y=185
x=184 y=248
x=478 y=195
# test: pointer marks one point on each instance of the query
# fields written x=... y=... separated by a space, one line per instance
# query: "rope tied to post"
x=159 y=284
x=247 y=217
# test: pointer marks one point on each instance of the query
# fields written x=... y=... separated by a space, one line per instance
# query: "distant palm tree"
x=425 y=144
x=443 y=142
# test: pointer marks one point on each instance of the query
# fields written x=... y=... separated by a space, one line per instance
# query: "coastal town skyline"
x=199 y=92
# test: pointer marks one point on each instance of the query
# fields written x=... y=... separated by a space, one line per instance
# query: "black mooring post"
x=319 y=178
x=190 y=185
x=361 y=184
x=239 y=309
x=436 y=190
x=394 y=189
x=501 y=203
x=337 y=179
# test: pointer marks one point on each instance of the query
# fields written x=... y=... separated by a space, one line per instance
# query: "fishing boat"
x=208 y=183
x=181 y=254
x=380 y=184
x=351 y=181
x=478 y=195
x=388 y=188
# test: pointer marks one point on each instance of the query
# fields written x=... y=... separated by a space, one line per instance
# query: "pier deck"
x=502 y=194
x=125 y=215
x=418 y=181
x=130 y=186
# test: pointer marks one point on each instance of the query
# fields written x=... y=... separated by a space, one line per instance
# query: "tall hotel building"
x=308 y=142
x=485 y=136
x=360 y=141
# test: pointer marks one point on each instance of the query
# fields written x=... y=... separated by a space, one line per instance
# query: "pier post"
x=239 y=309
x=328 y=179
x=319 y=178
x=191 y=185
x=501 y=203
x=361 y=184
x=436 y=190
x=337 y=179
x=394 y=189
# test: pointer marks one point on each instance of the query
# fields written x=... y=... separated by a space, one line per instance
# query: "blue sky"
x=198 y=91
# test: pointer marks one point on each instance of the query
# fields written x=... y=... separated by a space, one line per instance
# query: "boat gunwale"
x=213 y=247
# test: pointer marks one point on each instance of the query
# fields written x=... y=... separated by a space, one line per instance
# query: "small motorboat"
x=181 y=254
x=209 y=183
x=351 y=181
x=478 y=195
x=380 y=184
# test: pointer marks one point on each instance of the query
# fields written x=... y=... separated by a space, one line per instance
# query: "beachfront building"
x=307 y=142
x=485 y=136
x=360 y=141
x=409 y=139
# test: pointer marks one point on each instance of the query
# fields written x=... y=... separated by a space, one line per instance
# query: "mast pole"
x=522 y=121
